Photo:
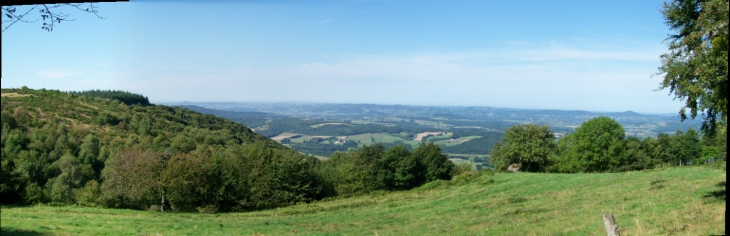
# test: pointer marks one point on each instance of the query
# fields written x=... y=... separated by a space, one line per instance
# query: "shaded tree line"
x=600 y=145
x=315 y=147
x=481 y=145
x=374 y=167
x=122 y=96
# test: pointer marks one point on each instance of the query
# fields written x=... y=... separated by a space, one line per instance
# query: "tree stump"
x=611 y=228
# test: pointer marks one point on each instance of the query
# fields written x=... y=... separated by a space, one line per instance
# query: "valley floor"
x=677 y=201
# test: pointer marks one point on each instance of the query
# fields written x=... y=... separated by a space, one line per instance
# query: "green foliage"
x=710 y=153
x=277 y=177
x=436 y=164
x=408 y=171
x=492 y=204
x=696 y=68
x=89 y=151
x=182 y=143
x=132 y=178
x=637 y=155
x=596 y=146
x=189 y=181
x=348 y=174
x=122 y=96
x=34 y=194
x=373 y=168
x=60 y=190
x=462 y=168
x=684 y=148
x=322 y=149
x=60 y=142
x=69 y=149
x=531 y=146
x=10 y=184
x=309 y=127
x=88 y=195
x=8 y=121
x=481 y=145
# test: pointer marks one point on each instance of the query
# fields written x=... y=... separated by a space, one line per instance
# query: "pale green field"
x=323 y=124
x=365 y=139
x=433 y=123
x=281 y=136
x=676 y=201
x=467 y=155
x=450 y=143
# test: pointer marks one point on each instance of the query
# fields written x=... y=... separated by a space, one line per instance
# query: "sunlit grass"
x=679 y=201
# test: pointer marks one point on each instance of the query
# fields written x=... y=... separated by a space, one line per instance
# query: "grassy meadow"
x=672 y=201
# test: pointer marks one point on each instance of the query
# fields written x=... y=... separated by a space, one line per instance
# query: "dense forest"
x=122 y=96
x=104 y=148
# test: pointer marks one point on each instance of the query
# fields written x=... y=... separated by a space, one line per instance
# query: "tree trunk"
x=162 y=205
x=611 y=228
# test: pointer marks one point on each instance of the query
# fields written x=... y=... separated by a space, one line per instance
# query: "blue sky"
x=569 y=55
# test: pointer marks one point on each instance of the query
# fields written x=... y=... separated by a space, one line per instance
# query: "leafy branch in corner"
x=49 y=14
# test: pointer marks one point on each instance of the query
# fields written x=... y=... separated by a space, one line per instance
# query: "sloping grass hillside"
x=674 y=201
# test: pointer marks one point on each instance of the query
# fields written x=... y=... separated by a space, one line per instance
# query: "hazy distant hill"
x=247 y=118
x=464 y=115
x=399 y=124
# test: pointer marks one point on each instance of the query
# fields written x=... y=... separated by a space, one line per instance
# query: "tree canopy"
x=695 y=69
x=531 y=146
x=596 y=146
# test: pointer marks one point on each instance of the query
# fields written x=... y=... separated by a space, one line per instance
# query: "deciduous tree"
x=596 y=146
x=695 y=69
x=531 y=146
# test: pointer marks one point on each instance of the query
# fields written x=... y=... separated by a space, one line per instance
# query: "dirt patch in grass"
x=13 y=95
x=279 y=137
x=88 y=105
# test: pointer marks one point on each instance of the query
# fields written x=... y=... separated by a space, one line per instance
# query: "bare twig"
x=90 y=9
x=10 y=13
x=48 y=13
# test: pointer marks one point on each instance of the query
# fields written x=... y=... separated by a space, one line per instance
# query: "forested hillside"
x=94 y=149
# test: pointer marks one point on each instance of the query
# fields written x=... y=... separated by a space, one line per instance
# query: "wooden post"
x=611 y=228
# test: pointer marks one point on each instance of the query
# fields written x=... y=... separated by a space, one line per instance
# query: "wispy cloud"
x=562 y=77
x=566 y=53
